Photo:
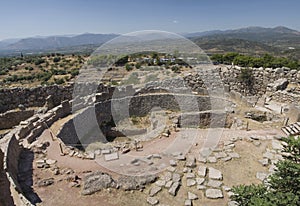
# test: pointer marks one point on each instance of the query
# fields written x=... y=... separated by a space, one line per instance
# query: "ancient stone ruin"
x=83 y=144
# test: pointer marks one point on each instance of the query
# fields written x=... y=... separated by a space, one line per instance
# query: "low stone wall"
x=33 y=97
x=286 y=97
x=84 y=128
x=31 y=129
x=13 y=118
x=207 y=119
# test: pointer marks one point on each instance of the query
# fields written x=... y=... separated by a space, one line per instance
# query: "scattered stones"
x=190 y=182
x=168 y=184
x=264 y=162
x=200 y=180
x=176 y=177
x=214 y=174
x=202 y=171
x=45 y=182
x=152 y=200
x=261 y=176
x=173 y=163
x=220 y=155
x=192 y=196
x=190 y=175
x=91 y=156
x=96 y=181
x=268 y=155
x=191 y=162
x=225 y=159
x=212 y=159
x=201 y=187
x=226 y=188
x=214 y=183
x=187 y=170
x=50 y=162
x=154 y=190
x=276 y=145
x=160 y=183
x=202 y=159
x=188 y=203
x=174 y=188
x=115 y=156
x=157 y=156
x=234 y=155
x=213 y=193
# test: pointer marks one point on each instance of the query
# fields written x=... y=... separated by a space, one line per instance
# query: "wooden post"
x=247 y=126
x=281 y=110
x=61 y=150
x=286 y=121
x=52 y=137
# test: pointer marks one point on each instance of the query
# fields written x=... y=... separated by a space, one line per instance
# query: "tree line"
x=265 y=61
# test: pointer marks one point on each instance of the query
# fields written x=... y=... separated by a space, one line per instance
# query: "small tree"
x=282 y=188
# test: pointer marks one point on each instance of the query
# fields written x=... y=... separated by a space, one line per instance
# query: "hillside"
x=279 y=41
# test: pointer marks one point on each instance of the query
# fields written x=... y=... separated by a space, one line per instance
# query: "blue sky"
x=25 y=18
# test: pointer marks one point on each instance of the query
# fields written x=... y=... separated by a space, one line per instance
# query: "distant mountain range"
x=279 y=40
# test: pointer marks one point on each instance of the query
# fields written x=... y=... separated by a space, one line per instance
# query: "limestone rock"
x=191 y=162
x=160 y=183
x=188 y=203
x=173 y=163
x=200 y=180
x=213 y=193
x=190 y=182
x=192 y=196
x=212 y=159
x=174 y=188
x=214 y=183
x=202 y=171
x=176 y=177
x=95 y=182
x=190 y=175
x=154 y=190
x=152 y=200
x=261 y=176
x=214 y=174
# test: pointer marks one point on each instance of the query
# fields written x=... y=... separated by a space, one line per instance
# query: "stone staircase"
x=292 y=129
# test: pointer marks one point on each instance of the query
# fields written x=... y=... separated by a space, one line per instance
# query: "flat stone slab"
x=212 y=159
x=112 y=156
x=152 y=200
x=264 y=162
x=202 y=171
x=276 y=145
x=190 y=175
x=200 y=180
x=214 y=193
x=176 y=177
x=188 y=203
x=190 y=182
x=261 y=176
x=214 y=174
x=190 y=162
x=174 y=188
x=234 y=155
x=192 y=196
x=160 y=183
x=173 y=163
x=154 y=190
x=214 y=183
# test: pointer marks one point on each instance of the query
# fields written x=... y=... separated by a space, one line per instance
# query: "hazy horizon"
x=22 y=19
